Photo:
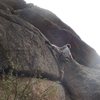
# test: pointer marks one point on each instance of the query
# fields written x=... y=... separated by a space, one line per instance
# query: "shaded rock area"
x=30 y=70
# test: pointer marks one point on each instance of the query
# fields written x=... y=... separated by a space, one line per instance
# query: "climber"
x=63 y=51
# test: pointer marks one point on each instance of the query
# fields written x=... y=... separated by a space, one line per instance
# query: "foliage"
x=14 y=88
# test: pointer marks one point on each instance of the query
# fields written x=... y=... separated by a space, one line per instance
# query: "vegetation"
x=14 y=88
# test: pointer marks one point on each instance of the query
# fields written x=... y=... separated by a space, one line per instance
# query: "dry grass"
x=14 y=88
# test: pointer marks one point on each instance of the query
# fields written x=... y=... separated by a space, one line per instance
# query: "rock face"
x=24 y=53
x=59 y=33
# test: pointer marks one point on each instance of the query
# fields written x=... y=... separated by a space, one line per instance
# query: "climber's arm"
x=52 y=46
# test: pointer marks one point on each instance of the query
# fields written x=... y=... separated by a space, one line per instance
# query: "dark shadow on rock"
x=82 y=82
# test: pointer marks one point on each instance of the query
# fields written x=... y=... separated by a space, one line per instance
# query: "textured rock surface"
x=23 y=49
x=24 y=46
x=37 y=89
x=48 y=90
